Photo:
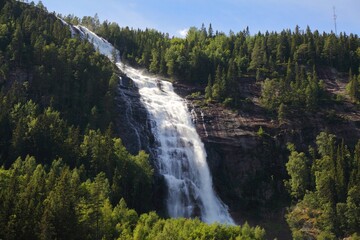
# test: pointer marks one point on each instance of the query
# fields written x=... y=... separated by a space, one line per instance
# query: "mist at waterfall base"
x=181 y=156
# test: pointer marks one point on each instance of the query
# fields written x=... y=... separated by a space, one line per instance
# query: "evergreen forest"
x=286 y=63
x=64 y=171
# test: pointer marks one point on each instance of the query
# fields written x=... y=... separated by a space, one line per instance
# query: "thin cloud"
x=183 y=32
x=258 y=15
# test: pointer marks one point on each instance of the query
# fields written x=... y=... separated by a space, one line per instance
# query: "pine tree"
x=353 y=209
x=341 y=172
x=218 y=86
x=208 y=89
x=312 y=91
x=281 y=113
x=289 y=73
x=352 y=87
x=154 y=62
x=282 y=51
x=210 y=31
x=258 y=55
x=231 y=83
x=299 y=173
x=355 y=167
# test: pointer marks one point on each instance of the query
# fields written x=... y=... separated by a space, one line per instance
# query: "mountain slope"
x=249 y=167
x=252 y=96
x=64 y=173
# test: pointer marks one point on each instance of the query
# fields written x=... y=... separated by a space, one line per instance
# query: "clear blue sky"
x=173 y=16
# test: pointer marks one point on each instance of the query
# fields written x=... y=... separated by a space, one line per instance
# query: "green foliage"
x=55 y=69
x=60 y=106
x=208 y=89
x=281 y=113
x=296 y=91
x=353 y=88
x=287 y=58
x=261 y=132
x=299 y=173
x=63 y=174
x=60 y=203
x=328 y=207
x=151 y=227
x=76 y=176
x=195 y=94
x=269 y=94
x=228 y=102
x=258 y=55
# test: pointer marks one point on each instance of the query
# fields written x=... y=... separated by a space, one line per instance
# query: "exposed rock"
x=133 y=127
x=238 y=157
x=248 y=169
x=132 y=123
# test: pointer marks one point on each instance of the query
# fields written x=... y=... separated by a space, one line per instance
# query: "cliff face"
x=246 y=171
x=238 y=158
x=248 y=167
x=134 y=129
x=132 y=123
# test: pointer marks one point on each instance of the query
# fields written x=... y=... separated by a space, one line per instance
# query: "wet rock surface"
x=132 y=123
x=134 y=128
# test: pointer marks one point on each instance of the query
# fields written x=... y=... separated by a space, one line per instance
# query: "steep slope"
x=64 y=173
x=56 y=91
x=274 y=91
x=180 y=155
x=249 y=166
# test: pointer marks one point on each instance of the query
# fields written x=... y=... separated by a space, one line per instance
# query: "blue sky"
x=175 y=16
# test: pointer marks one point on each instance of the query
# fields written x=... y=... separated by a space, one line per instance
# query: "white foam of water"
x=181 y=154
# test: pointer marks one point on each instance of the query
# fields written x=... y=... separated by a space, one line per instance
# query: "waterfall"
x=180 y=153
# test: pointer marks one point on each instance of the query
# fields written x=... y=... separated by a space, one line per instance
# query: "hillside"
x=65 y=173
x=278 y=114
x=243 y=160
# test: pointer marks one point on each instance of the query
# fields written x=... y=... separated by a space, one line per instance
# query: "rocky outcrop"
x=248 y=166
x=132 y=123
x=246 y=169
x=133 y=127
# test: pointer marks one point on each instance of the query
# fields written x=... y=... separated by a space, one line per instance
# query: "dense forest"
x=286 y=63
x=64 y=173
x=324 y=181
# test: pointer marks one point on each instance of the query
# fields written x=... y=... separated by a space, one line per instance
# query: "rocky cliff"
x=133 y=127
x=246 y=147
x=246 y=169
x=132 y=123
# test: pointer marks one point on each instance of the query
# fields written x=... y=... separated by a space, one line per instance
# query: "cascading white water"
x=181 y=156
